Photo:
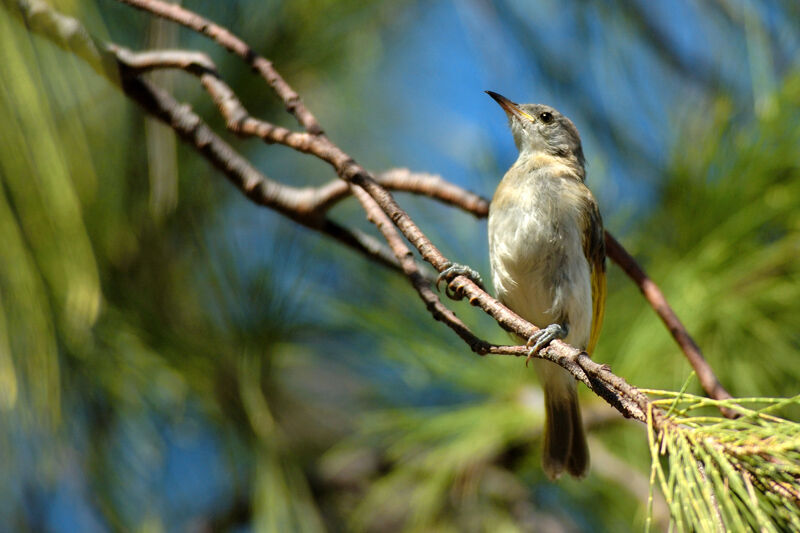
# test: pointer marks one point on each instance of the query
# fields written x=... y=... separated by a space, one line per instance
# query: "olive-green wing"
x=594 y=247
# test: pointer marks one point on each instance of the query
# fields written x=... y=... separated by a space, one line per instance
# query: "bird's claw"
x=455 y=269
x=543 y=337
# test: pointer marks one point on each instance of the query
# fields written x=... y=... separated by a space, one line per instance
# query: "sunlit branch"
x=383 y=211
x=241 y=122
x=308 y=206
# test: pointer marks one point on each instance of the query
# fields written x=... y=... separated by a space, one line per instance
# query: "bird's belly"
x=539 y=270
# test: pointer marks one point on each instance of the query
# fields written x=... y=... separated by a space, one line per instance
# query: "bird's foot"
x=455 y=269
x=545 y=336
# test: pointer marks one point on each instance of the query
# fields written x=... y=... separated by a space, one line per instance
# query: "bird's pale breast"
x=539 y=269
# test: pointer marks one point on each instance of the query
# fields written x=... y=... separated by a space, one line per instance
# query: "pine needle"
x=719 y=474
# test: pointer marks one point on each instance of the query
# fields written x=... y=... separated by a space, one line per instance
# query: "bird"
x=547 y=257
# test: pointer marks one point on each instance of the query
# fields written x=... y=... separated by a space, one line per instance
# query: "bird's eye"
x=546 y=117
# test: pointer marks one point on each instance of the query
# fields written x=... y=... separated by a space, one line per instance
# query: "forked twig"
x=240 y=121
x=309 y=206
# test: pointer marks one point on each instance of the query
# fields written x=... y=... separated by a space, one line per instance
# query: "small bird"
x=547 y=255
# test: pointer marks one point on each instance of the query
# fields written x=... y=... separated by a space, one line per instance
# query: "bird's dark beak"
x=511 y=109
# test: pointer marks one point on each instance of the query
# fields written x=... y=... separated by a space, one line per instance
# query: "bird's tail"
x=565 y=445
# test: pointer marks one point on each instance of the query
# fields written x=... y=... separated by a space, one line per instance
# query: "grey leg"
x=545 y=336
x=456 y=269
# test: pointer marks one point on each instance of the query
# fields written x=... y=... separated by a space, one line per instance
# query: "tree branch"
x=308 y=206
x=239 y=121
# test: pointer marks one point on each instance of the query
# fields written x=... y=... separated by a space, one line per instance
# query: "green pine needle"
x=719 y=474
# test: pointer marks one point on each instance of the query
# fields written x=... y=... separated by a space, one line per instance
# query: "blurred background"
x=174 y=358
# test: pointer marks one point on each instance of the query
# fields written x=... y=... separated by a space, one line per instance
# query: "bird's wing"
x=594 y=248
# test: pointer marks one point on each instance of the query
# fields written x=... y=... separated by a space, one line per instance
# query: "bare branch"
x=308 y=206
x=230 y=42
x=651 y=292
x=240 y=121
x=303 y=205
x=434 y=186
x=382 y=210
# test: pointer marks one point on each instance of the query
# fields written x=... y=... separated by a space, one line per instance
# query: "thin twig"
x=314 y=142
x=378 y=203
x=654 y=296
x=232 y=43
x=598 y=378
x=240 y=121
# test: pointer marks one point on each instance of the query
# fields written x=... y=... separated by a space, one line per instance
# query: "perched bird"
x=547 y=255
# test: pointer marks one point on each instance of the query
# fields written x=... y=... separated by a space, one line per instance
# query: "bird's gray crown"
x=540 y=128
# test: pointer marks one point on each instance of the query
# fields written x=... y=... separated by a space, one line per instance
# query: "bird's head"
x=538 y=128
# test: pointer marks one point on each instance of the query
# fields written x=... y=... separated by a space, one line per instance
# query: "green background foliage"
x=173 y=357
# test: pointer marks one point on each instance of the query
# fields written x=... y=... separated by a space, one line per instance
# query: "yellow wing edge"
x=594 y=249
x=598 y=304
